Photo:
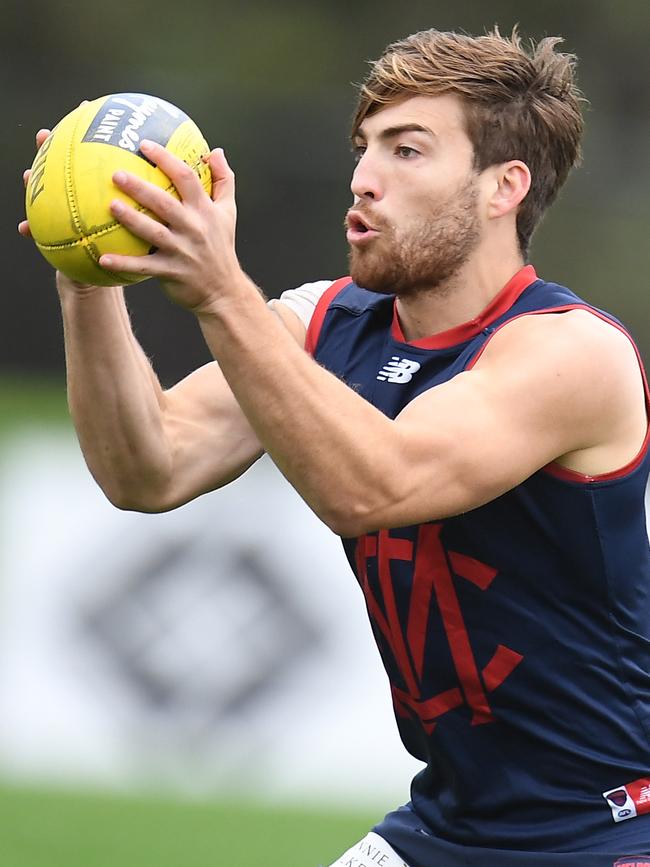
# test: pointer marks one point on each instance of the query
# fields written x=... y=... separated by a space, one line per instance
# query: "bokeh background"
x=272 y=83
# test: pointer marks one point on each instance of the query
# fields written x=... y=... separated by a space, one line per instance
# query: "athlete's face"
x=415 y=217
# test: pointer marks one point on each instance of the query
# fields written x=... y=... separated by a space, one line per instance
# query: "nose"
x=366 y=180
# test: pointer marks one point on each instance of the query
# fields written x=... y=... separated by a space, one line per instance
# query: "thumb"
x=223 y=177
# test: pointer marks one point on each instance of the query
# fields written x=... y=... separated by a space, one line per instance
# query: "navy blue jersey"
x=516 y=636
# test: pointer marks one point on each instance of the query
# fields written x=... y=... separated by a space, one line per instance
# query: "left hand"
x=195 y=255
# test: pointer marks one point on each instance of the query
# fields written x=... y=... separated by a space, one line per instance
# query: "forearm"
x=114 y=397
x=329 y=442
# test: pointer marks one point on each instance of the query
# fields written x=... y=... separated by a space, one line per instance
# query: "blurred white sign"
x=223 y=647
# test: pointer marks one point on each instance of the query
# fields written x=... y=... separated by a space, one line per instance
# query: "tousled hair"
x=520 y=103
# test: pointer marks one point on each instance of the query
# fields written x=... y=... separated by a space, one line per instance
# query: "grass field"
x=49 y=828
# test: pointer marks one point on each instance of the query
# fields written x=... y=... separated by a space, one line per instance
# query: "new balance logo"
x=398 y=370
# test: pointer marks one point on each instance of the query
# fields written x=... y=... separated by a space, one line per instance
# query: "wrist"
x=67 y=287
x=71 y=292
x=235 y=292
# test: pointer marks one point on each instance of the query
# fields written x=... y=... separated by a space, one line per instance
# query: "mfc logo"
x=435 y=571
x=398 y=370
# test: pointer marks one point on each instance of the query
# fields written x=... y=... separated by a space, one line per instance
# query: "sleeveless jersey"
x=516 y=636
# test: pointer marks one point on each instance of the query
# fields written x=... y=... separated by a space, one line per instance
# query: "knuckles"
x=159 y=235
x=184 y=173
x=164 y=206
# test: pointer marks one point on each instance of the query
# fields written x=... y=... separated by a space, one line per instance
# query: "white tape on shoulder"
x=372 y=851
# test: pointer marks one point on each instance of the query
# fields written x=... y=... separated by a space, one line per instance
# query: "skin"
x=422 y=245
x=548 y=388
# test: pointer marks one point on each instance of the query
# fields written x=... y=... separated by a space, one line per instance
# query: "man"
x=477 y=436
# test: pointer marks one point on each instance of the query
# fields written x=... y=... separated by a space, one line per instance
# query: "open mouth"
x=358 y=227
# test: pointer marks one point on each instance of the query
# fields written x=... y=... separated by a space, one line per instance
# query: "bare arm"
x=563 y=387
x=549 y=388
x=148 y=449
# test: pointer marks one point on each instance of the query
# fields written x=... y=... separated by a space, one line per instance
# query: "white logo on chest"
x=398 y=370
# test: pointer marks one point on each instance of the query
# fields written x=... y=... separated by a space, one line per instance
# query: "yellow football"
x=70 y=187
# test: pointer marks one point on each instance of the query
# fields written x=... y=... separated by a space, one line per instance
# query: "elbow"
x=127 y=503
x=356 y=509
x=135 y=505
x=136 y=499
x=351 y=519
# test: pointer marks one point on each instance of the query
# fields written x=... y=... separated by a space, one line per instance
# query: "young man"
x=477 y=436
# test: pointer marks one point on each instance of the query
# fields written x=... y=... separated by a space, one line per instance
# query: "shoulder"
x=296 y=307
x=578 y=370
x=306 y=307
x=582 y=338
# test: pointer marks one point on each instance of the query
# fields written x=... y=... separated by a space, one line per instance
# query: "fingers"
x=180 y=174
x=140 y=224
x=155 y=199
x=223 y=177
x=41 y=136
x=151 y=266
x=23 y=229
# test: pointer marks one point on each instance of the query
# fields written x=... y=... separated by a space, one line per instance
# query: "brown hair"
x=519 y=104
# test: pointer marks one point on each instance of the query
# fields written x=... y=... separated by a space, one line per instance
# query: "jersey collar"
x=499 y=305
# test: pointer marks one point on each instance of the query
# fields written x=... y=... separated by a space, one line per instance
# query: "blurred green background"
x=271 y=82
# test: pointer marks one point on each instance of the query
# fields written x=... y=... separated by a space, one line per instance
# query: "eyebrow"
x=394 y=131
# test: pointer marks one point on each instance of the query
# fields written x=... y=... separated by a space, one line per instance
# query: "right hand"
x=41 y=136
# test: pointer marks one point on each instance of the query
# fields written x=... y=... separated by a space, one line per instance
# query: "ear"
x=511 y=184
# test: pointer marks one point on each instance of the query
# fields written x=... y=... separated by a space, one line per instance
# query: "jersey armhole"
x=554 y=468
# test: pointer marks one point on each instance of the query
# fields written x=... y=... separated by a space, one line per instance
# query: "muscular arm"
x=561 y=387
x=553 y=387
x=149 y=449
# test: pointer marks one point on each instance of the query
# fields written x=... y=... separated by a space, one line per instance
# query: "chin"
x=372 y=275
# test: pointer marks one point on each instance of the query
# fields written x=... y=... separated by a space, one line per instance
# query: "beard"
x=423 y=253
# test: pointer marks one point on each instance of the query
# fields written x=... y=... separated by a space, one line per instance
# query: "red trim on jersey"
x=501 y=303
x=322 y=306
x=555 y=469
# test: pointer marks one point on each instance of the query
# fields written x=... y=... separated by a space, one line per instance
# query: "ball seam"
x=105 y=228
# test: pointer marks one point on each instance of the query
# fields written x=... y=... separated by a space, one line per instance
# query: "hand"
x=41 y=136
x=195 y=255
x=63 y=283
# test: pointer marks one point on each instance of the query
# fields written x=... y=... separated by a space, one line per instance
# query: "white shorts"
x=372 y=851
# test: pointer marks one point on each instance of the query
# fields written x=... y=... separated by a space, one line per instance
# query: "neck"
x=459 y=299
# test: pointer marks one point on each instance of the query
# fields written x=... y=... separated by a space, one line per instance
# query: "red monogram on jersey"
x=435 y=573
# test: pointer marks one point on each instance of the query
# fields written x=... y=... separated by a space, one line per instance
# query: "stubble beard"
x=424 y=255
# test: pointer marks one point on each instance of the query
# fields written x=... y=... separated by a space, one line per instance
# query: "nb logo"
x=398 y=370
